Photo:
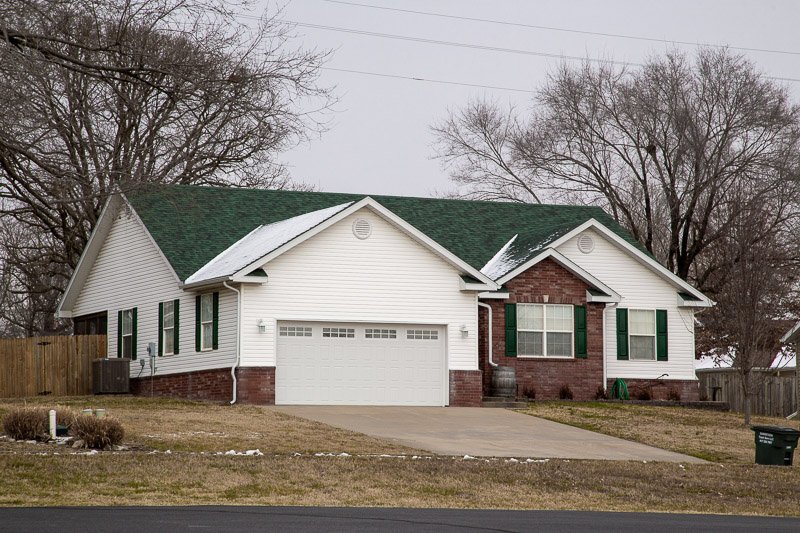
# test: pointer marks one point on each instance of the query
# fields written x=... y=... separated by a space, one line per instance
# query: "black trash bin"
x=775 y=445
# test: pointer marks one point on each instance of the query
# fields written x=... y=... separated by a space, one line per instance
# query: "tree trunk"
x=747 y=408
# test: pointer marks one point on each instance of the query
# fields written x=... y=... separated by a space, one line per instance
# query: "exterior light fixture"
x=262 y=326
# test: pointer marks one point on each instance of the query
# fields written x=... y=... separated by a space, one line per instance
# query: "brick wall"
x=254 y=385
x=465 y=388
x=546 y=376
x=215 y=385
x=689 y=390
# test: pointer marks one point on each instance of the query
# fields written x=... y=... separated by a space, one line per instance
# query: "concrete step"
x=503 y=402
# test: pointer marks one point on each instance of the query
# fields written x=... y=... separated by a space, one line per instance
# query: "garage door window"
x=342 y=333
x=371 y=333
x=422 y=334
x=294 y=331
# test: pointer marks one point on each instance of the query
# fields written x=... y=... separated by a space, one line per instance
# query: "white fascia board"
x=493 y=295
x=474 y=287
x=790 y=333
x=390 y=217
x=593 y=298
x=690 y=303
x=89 y=256
x=567 y=265
x=638 y=255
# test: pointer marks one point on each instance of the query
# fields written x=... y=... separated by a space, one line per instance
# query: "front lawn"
x=711 y=435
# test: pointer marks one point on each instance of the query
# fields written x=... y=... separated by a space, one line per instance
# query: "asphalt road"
x=330 y=519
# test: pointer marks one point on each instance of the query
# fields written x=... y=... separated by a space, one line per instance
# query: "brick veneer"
x=465 y=388
x=546 y=376
x=689 y=390
x=255 y=385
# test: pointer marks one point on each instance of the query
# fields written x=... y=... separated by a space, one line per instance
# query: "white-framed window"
x=206 y=321
x=422 y=334
x=545 y=330
x=168 y=327
x=373 y=333
x=126 y=333
x=642 y=334
x=294 y=331
x=341 y=333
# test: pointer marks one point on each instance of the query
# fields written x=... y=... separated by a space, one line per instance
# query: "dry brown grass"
x=711 y=435
x=179 y=425
x=141 y=479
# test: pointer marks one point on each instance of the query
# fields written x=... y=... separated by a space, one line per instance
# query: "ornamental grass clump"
x=97 y=433
x=26 y=423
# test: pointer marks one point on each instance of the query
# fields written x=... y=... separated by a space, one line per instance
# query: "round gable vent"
x=362 y=228
x=585 y=243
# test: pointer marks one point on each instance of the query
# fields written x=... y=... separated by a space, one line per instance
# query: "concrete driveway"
x=479 y=431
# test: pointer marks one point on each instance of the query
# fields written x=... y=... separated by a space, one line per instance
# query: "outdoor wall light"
x=262 y=326
x=464 y=330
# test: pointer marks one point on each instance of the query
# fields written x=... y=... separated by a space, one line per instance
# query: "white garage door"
x=360 y=364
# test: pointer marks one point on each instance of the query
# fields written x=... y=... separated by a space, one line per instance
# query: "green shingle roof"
x=193 y=224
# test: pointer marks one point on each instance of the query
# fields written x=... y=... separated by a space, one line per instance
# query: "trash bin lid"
x=778 y=430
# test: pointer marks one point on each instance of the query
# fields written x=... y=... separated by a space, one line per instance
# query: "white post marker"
x=52 y=424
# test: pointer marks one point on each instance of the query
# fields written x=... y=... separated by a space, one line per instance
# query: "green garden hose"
x=619 y=391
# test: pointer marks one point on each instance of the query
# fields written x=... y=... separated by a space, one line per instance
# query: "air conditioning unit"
x=111 y=376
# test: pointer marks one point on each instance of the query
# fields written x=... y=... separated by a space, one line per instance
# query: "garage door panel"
x=371 y=367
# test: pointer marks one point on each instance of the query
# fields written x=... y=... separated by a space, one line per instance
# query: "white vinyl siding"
x=544 y=330
x=640 y=288
x=387 y=278
x=130 y=272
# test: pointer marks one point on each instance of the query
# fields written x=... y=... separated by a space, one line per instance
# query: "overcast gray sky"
x=379 y=139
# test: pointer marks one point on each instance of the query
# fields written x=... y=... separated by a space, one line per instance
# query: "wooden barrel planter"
x=504 y=381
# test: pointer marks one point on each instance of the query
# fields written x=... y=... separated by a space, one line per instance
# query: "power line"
x=414 y=78
x=459 y=45
x=565 y=30
x=482 y=47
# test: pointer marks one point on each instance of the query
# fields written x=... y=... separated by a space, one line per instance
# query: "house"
x=319 y=298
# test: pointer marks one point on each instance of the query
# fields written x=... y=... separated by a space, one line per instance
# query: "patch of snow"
x=784 y=359
x=468 y=457
x=253 y=452
x=261 y=241
x=498 y=264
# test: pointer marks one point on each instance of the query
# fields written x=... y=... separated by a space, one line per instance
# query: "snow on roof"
x=713 y=361
x=499 y=264
x=784 y=359
x=261 y=241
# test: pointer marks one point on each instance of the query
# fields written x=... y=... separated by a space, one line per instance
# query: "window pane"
x=642 y=322
x=127 y=321
x=168 y=314
x=529 y=343
x=206 y=308
x=559 y=344
x=643 y=347
x=127 y=346
x=559 y=318
x=530 y=317
x=207 y=336
x=169 y=342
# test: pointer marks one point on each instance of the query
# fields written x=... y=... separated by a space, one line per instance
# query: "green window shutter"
x=215 y=325
x=622 y=334
x=119 y=333
x=511 y=330
x=197 y=329
x=176 y=314
x=133 y=333
x=580 y=332
x=160 y=329
x=661 y=335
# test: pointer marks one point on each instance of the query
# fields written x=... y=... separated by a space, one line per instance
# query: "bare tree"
x=103 y=95
x=659 y=147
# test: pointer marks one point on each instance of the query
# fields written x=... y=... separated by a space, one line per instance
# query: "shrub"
x=97 y=433
x=673 y=395
x=529 y=393
x=26 y=423
x=601 y=393
x=643 y=394
x=565 y=393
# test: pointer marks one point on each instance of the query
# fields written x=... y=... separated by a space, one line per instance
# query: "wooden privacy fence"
x=61 y=366
x=774 y=393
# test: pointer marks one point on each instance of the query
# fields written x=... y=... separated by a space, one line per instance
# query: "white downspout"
x=605 y=344
x=238 y=336
x=489 y=310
